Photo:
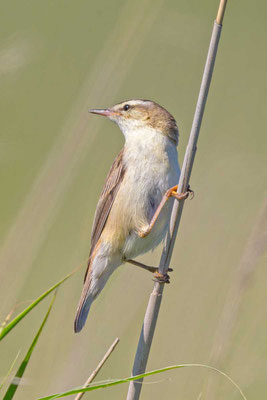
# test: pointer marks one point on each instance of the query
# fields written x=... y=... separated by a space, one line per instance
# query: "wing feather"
x=107 y=197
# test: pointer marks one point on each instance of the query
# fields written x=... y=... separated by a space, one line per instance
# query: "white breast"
x=152 y=168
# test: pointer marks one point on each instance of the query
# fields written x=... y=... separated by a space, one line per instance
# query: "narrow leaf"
x=9 y=371
x=4 y=330
x=133 y=378
x=16 y=380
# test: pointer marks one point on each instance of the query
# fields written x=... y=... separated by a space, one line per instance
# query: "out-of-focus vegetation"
x=57 y=59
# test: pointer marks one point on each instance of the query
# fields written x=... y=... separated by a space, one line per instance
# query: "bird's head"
x=134 y=115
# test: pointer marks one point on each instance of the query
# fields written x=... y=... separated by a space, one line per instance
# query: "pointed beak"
x=105 y=112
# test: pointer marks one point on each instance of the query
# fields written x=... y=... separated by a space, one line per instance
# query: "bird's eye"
x=126 y=107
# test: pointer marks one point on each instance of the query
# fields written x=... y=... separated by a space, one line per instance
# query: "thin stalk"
x=98 y=368
x=153 y=307
x=221 y=10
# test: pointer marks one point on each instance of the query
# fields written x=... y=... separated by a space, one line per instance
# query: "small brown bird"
x=132 y=216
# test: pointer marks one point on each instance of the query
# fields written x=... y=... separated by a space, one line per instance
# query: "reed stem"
x=153 y=307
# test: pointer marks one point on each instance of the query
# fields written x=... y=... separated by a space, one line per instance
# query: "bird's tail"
x=99 y=270
x=83 y=307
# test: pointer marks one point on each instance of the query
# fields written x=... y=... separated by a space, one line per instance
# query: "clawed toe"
x=161 y=278
x=183 y=196
x=190 y=192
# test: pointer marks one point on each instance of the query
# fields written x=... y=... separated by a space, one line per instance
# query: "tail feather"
x=82 y=311
x=100 y=268
x=85 y=301
x=91 y=289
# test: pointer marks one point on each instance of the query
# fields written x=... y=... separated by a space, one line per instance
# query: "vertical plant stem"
x=153 y=307
x=221 y=10
x=98 y=368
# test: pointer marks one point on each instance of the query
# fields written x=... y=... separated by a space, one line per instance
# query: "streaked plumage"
x=143 y=171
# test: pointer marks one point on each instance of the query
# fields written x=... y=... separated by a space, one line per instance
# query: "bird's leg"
x=172 y=192
x=154 y=270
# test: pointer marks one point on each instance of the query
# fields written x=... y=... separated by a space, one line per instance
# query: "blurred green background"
x=59 y=58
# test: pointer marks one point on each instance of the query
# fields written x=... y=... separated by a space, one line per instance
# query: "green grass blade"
x=4 y=330
x=133 y=378
x=9 y=371
x=14 y=385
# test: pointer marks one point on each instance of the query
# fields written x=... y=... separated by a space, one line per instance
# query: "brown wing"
x=107 y=197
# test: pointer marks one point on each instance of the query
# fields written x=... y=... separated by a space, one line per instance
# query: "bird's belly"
x=150 y=173
x=135 y=246
x=143 y=202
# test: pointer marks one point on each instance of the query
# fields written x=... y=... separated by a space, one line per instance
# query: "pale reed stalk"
x=153 y=307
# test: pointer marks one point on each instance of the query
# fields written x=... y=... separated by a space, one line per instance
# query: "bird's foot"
x=161 y=278
x=183 y=196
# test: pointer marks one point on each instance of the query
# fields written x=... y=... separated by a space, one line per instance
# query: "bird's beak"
x=105 y=112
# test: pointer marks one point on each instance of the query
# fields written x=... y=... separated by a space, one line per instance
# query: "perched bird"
x=132 y=215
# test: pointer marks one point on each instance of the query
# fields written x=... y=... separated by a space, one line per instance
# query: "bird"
x=133 y=213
